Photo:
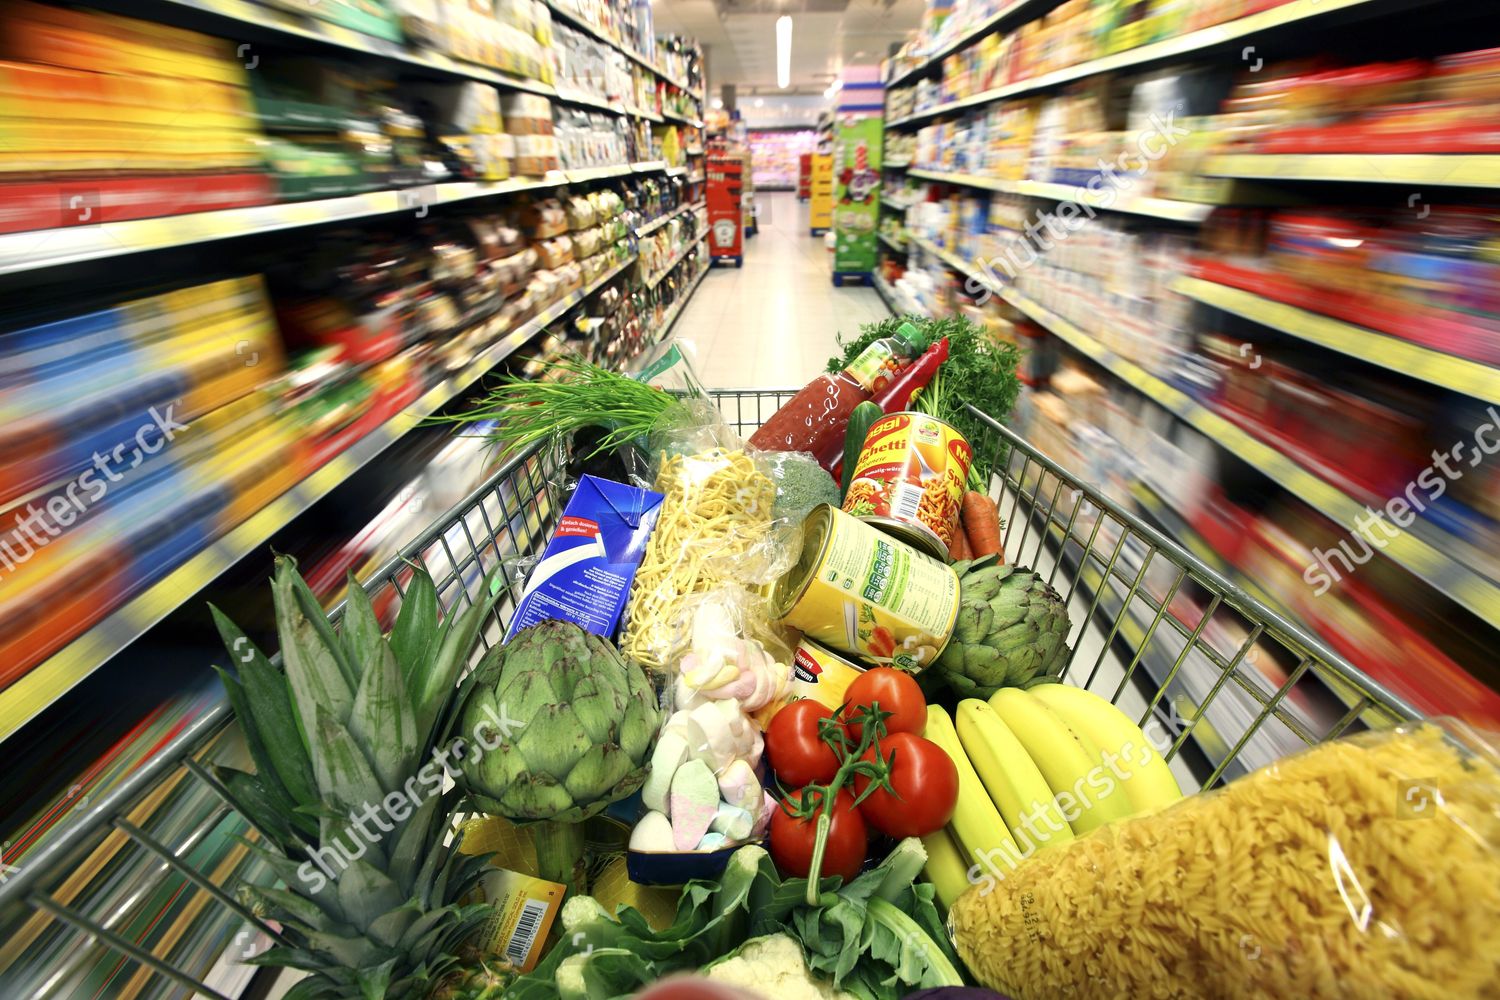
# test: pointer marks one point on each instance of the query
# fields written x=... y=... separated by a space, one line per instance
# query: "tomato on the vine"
x=793 y=839
x=926 y=784
x=798 y=753
x=896 y=691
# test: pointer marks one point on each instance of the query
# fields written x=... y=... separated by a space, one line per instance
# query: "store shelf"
x=953 y=260
x=677 y=308
x=895 y=164
x=1423 y=555
x=1157 y=208
x=968 y=35
x=687 y=120
x=587 y=28
x=677 y=258
x=53 y=677
x=676 y=171
x=898 y=247
x=655 y=224
x=43 y=248
x=1432 y=169
x=892 y=203
x=1447 y=371
x=894 y=300
x=1169 y=48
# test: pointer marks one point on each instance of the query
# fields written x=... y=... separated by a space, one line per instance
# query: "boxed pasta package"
x=586 y=572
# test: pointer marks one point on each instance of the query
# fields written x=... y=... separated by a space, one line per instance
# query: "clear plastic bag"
x=1364 y=867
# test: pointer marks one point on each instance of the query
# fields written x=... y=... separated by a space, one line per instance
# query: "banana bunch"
x=1036 y=768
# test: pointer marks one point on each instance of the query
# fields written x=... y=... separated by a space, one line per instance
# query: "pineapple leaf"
x=360 y=628
x=344 y=775
x=388 y=928
x=315 y=679
x=413 y=844
x=294 y=906
x=373 y=983
x=381 y=721
x=318 y=618
x=303 y=989
x=264 y=769
x=414 y=636
x=270 y=709
x=434 y=920
x=460 y=633
x=255 y=803
x=354 y=952
x=366 y=893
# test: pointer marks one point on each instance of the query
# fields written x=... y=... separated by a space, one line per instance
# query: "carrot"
x=981 y=517
x=958 y=549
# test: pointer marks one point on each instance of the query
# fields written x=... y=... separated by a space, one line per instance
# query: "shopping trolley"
x=127 y=899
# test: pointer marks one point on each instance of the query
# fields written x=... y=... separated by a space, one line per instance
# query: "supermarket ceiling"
x=739 y=37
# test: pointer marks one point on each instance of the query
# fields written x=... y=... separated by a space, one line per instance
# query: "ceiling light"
x=784 y=51
x=833 y=88
x=760 y=102
x=717 y=103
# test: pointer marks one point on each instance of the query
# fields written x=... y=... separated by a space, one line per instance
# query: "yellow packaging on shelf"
x=525 y=908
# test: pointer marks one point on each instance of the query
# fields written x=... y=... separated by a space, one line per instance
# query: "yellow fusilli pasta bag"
x=1363 y=868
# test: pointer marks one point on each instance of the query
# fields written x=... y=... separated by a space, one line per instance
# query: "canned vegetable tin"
x=863 y=592
x=817 y=673
x=909 y=479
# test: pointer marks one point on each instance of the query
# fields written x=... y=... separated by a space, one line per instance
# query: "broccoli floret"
x=801 y=484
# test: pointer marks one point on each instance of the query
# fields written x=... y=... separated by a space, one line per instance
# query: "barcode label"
x=524 y=936
x=905 y=503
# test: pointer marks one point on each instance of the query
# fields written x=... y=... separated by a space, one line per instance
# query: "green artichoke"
x=1012 y=630
x=564 y=727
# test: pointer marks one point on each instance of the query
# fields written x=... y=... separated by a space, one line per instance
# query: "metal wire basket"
x=135 y=896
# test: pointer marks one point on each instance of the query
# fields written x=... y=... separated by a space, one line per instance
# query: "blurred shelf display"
x=1471 y=378
x=1431 y=169
x=1160 y=208
x=1033 y=69
x=777 y=156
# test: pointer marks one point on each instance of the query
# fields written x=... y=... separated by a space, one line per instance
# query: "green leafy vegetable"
x=878 y=938
x=583 y=395
x=979 y=370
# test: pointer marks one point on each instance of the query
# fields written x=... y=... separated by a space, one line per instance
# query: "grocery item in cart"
x=585 y=574
x=817 y=673
x=1366 y=867
x=910 y=478
x=818 y=413
x=863 y=592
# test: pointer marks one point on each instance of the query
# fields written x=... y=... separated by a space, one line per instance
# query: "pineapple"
x=343 y=742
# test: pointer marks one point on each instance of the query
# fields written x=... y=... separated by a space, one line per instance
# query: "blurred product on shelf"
x=371 y=318
x=1430 y=276
x=777 y=156
x=1074 y=32
x=105 y=118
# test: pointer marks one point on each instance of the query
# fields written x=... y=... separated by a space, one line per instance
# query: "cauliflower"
x=772 y=966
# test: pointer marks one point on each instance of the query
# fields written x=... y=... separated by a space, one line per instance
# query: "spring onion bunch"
x=572 y=396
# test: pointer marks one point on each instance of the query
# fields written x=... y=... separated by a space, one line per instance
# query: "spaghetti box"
x=585 y=574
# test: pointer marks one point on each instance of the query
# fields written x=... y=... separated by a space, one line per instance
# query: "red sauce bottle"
x=820 y=411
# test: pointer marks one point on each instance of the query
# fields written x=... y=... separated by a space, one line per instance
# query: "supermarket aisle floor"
x=774 y=321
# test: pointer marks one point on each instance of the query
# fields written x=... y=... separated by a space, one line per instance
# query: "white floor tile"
x=775 y=321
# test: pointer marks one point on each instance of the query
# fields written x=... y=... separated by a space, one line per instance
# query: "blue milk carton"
x=585 y=574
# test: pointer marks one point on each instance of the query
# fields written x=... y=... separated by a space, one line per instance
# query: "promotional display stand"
x=725 y=227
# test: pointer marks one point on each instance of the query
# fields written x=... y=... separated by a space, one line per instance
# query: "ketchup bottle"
x=820 y=411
